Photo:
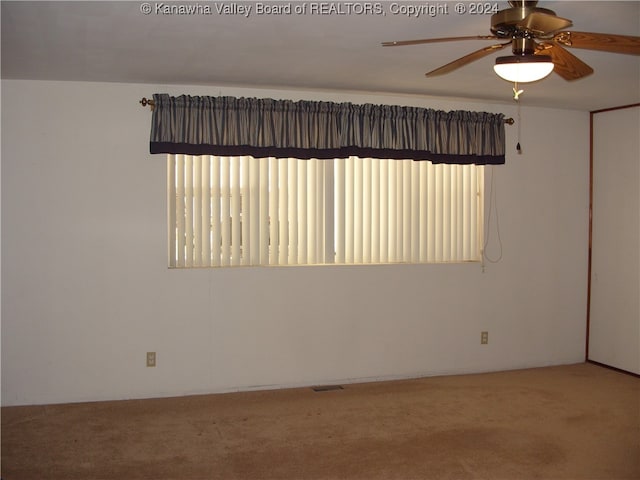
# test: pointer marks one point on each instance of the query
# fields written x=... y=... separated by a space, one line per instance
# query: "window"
x=227 y=211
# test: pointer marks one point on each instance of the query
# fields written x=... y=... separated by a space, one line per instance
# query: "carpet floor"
x=573 y=422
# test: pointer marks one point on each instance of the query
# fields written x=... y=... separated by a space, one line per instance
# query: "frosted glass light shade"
x=523 y=68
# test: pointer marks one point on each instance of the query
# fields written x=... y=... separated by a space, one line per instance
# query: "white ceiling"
x=114 y=42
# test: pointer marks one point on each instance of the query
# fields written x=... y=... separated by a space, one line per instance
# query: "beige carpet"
x=570 y=422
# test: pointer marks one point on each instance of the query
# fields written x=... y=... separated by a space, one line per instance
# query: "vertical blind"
x=239 y=210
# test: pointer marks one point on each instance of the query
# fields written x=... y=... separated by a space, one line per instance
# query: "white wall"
x=86 y=290
x=614 y=336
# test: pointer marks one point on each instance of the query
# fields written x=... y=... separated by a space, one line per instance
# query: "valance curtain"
x=230 y=126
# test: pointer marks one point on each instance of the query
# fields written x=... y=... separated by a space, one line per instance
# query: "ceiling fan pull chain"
x=518 y=147
x=516 y=97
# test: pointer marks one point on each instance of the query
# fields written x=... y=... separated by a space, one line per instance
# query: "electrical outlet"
x=151 y=359
x=484 y=338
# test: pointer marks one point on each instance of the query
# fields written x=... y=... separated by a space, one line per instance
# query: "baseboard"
x=604 y=365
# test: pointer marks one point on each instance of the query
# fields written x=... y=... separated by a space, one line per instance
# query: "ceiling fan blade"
x=437 y=40
x=599 y=41
x=478 y=54
x=543 y=23
x=565 y=63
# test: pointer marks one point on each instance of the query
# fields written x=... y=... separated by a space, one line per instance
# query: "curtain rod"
x=150 y=103
x=144 y=102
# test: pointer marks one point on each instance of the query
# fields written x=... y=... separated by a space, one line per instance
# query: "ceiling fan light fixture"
x=523 y=68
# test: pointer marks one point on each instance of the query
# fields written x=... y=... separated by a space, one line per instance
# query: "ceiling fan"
x=538 y=39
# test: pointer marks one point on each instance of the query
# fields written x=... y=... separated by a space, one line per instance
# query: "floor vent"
x=327 y=388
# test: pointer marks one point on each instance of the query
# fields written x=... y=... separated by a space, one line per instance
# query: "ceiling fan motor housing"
x=504 y=24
